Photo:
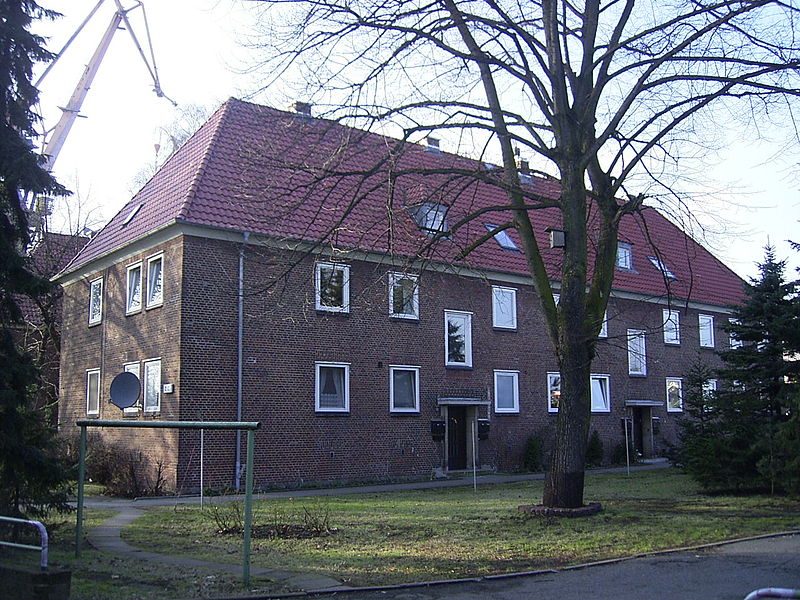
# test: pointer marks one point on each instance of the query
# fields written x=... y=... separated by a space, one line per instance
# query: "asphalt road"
x=728 y=572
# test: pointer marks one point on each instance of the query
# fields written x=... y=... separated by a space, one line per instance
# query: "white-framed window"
x=95 y=301
x=332 y=387
x=624 y=256
x=604 y=326
x=457 y=338
x=734 y=341
x=133 y=295
x=403 y=296
x=674 y=394
x=135 y=368
x=151 y=386
x=504 y=307
x=661 y=266
x=553 y=391
x=502 y=238
x=93 y=392
x=601 y=393
x=506 y=391
x=706 y=324
x=637 y=353
x=155 y=281
x=709 y=387
x=672 y=326
x=332 y=287
x=431 y=217
x=403 y=388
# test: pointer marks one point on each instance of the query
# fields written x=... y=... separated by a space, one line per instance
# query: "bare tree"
x=603 y=93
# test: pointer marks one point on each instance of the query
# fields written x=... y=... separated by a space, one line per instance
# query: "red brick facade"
x=195 y=333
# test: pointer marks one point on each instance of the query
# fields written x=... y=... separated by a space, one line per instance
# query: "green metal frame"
x=249 y=426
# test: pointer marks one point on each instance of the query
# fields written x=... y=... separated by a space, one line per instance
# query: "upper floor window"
x=506 y=391
x=403 y=296
x=152 y=386
x=332 y=387
x=601 y=394
x=431 y=217
x=502 y=238
x=706 y=324
x=661 y=266
x=709 y=388
x=637 y=356
x=674 y=394
x=672 y=329
x=403 y=388
x=553 y=391
x=155 y=281
x=624 y=256
x=332 y=287
x=93 y=392
x=458 y=338
x=504 y=307
x=133 y=297
x=95 y=301
x=604 y=326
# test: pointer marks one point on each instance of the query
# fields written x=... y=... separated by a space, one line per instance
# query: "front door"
x=457 y=438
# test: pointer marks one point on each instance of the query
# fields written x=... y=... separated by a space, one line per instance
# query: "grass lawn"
x=456 y=532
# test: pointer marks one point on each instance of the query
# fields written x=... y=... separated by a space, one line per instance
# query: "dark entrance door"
x=638 y=430
x=456 y=438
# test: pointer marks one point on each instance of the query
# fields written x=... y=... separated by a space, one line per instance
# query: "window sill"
x=501 y=413
x=151 y=307
x=674 y=344
x=410 y=318
x=637 y=375
x=459 y=367
x=332 y=413
x=404 y=413
x=133 y=312
x=332 y=311
x=95 y=324
x=497 y=328
x=93 y=416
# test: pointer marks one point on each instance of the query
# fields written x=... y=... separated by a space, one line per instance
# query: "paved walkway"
x=107 y=536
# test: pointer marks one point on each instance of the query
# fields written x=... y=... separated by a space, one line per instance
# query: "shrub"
x=594 y=450
x=532 y=456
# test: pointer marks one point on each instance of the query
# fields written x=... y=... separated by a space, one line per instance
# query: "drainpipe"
x=239 y=361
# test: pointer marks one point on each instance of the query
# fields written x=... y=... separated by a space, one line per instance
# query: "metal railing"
x=43 y=548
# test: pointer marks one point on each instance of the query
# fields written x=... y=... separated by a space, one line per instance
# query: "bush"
x=533 y=454
x=594 y=450
x=618 y=456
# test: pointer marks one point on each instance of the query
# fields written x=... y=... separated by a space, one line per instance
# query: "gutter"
x=237 y=478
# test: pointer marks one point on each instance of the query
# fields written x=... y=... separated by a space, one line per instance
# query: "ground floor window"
x=152 y=386
x=601 y=396
x=674 y=394
x=506 y=391
x=403 y=388
x=332 y=387
x=135 y=368
x=93 y=392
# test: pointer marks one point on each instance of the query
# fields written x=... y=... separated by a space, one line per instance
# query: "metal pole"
x=627 y=447
x=248 y=507
x=474 y=457
x=81 y=477
x=201 y=467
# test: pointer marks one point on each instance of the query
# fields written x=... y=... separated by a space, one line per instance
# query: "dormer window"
x=431 y=217
x=432 y=145
x=659 y=264
x=624 y=256
x=131 y=214
x=502 y=238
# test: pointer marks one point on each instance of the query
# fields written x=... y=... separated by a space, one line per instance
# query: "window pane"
x=637 y=361
x=404 y=388
x=134 y=289
x=403 y=295
x=554 y=389
x=706 y=331
x=154 y=282
x=96 y=301
x=331 y=387
x=671 y=327
x=504 y=307
x=456 y=340
x=624 y=256
x=600 y=394
x=152 y=386
x=331 y=282
x=674 y=400
x=93 y=392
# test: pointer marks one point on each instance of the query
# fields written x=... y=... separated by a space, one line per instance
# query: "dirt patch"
x=540 y=510
x=291 y=531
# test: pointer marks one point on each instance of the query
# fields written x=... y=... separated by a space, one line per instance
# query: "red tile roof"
x=256 y=169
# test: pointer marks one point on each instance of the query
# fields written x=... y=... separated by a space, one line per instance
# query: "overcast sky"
x=200 y=59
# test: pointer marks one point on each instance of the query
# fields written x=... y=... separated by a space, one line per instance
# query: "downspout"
x=239 y=361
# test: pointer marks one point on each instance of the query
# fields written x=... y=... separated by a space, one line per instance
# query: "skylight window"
x=659 y=264
x=431 y=216
x=502 y=238
x=624 y=256
x=132 y=214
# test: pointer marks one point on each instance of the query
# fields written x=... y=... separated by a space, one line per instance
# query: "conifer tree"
x=32 y=480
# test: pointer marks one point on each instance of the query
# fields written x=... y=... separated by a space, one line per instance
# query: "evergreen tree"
x=32 y=480
x=745 y=436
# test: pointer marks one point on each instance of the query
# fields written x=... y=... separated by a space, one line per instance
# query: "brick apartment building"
x=242 y=281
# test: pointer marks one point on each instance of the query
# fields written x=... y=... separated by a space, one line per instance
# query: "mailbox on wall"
x=437 y=430
x=483 y=429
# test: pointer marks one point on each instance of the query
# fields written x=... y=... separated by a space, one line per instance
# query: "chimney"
x=302 y=108
x=432 y=144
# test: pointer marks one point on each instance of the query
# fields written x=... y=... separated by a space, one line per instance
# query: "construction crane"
x=53 y=139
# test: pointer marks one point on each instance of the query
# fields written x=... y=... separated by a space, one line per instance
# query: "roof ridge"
x=223 y=111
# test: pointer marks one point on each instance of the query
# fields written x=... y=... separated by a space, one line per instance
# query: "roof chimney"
x=432 y=144
x=302 y=108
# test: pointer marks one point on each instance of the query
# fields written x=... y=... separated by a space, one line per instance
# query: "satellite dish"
x=125 y=390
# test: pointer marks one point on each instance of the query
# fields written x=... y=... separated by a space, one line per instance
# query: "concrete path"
x=107 y=536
